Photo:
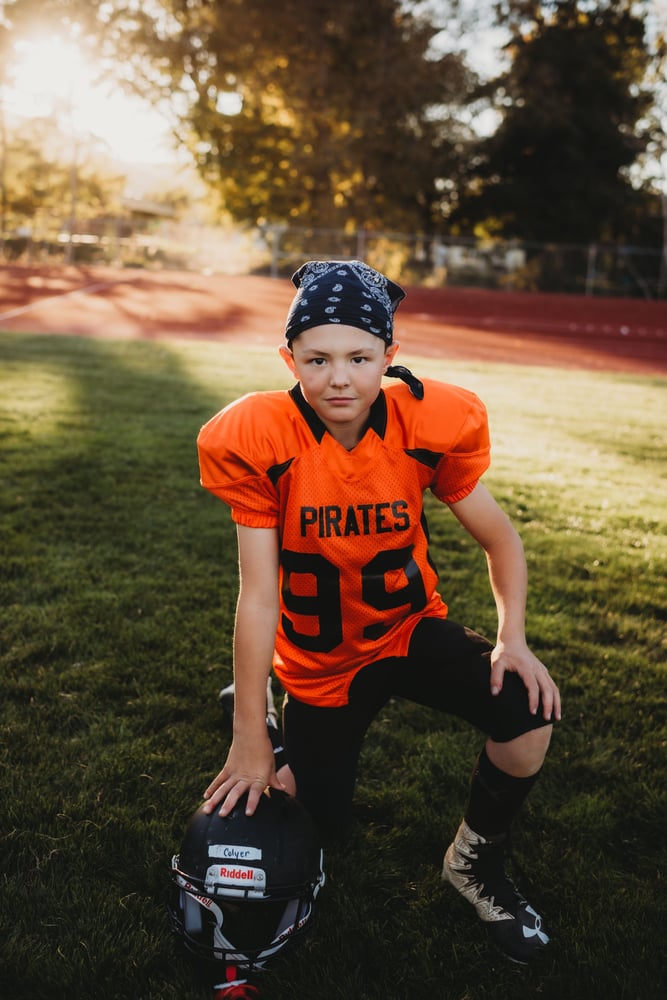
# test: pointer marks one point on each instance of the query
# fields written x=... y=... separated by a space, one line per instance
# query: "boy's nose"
x=340 y=375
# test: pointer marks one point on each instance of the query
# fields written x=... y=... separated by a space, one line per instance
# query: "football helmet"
x=244 y=886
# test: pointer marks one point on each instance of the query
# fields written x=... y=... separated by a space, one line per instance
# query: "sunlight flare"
x=54 y=77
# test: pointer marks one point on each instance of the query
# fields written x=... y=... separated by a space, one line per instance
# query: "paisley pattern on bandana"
x=346 y=292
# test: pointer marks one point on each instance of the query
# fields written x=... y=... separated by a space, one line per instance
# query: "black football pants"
x=447 y=668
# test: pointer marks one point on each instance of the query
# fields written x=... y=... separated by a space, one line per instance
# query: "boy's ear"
x=288 y=358
x=390 y=354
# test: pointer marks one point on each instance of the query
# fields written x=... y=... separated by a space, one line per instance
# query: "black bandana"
x=350 y=293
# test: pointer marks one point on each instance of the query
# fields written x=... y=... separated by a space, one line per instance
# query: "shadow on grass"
x=118 y=587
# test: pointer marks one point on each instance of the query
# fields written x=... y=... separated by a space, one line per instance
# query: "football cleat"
x=226 y=699
x=475 y=867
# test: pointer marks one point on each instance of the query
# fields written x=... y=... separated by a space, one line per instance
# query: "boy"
x=338 y=591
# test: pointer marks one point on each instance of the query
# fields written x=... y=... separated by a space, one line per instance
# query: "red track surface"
x=628 y=335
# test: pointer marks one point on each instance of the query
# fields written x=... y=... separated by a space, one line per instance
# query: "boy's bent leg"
x=475 y=861
x=502 y=777
x=323 y=746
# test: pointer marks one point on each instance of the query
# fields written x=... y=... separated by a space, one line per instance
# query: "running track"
x=628 y=335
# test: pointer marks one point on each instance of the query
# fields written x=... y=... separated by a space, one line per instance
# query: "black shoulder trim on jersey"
x=276 y=471
x=308 y=413
x=426 y=457
x=377 y=420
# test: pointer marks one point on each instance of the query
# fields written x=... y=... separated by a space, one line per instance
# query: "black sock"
x=495 y=798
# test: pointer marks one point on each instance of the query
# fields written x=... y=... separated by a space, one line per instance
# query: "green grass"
x=118 y=586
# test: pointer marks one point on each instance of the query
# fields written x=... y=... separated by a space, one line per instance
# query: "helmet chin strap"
x=234 y=988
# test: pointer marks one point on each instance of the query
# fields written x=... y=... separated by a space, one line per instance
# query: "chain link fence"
x=595 y=269
x=144 y=240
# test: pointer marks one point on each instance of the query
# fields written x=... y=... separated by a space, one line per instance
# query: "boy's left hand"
x=516 y=657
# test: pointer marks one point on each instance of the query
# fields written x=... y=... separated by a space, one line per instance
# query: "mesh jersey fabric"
x=355 y=570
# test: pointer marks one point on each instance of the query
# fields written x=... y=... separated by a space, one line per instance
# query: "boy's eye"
x=357 y=359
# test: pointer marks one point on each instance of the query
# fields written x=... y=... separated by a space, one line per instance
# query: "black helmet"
x=245 y=885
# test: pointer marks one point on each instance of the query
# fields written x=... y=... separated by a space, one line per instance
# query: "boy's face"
x=340 y=369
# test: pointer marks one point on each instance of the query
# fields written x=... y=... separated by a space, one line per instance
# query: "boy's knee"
x=285 y=776
x=523 y=756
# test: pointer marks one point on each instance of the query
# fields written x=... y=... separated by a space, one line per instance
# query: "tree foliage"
x=574 y=107
x=331 y=115
x=357 y=115
x=53 y=185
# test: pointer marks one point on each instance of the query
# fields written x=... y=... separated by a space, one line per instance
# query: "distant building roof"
x=140 y=206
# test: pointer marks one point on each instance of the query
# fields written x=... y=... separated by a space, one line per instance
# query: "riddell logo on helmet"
x=236 y=880
x=229 y=874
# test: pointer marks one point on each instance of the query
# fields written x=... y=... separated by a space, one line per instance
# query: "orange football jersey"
x=355 y=571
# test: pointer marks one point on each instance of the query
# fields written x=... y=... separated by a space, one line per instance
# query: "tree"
x=304 y=112
x=573 y=107
x=47 y=189
x=358 y=115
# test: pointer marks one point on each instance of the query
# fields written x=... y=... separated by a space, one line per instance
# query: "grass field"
x=118 y=587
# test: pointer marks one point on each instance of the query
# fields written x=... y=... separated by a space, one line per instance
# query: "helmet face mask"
x=245 y=885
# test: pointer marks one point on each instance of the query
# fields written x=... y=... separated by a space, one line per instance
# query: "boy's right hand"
x=250 y=767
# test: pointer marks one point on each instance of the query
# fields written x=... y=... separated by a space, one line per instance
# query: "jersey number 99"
x=325 y=603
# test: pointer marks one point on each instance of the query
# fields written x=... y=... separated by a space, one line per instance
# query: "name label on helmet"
x=236 y=879
x=231 y=853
